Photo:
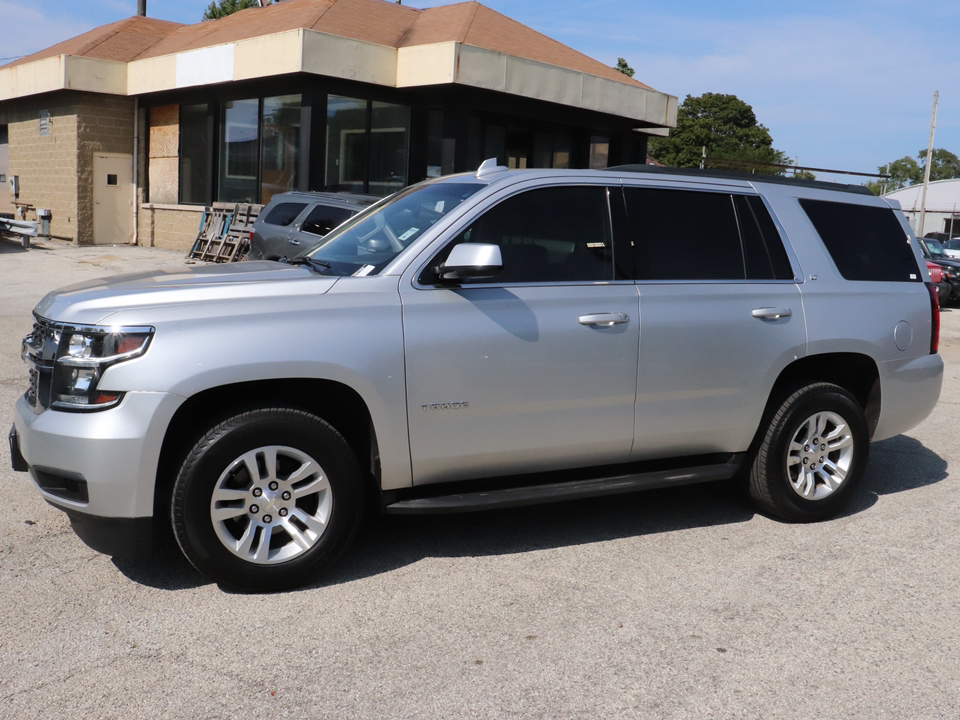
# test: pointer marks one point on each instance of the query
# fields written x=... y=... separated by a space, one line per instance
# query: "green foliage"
x=622 y=66
x=729 y=130
x=944 y=165
x=216 y=10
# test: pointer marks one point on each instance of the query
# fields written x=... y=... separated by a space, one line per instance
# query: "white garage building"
x=943 y=206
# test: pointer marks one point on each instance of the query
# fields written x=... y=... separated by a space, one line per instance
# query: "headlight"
x=83 y=353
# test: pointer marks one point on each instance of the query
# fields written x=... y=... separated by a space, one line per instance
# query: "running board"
x=556 y=492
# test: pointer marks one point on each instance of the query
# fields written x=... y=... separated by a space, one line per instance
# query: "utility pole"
x=926 y=171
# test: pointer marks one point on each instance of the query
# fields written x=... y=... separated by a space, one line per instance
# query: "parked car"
x=481 y=341
x=952 y=247
x=933 y=250
x=293 y=222
x=936 y=277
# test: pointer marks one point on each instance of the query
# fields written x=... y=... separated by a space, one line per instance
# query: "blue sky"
x=846 y=84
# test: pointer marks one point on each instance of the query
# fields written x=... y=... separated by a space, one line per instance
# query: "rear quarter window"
x=284 y=213
x=865 y=242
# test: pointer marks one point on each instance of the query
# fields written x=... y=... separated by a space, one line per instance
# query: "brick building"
x=126 y=132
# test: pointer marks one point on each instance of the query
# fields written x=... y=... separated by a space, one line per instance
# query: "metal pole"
x=926 y=171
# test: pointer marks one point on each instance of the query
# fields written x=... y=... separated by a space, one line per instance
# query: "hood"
x=93 y=301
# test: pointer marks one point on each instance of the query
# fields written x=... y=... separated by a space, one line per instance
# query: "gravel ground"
x=680 y=603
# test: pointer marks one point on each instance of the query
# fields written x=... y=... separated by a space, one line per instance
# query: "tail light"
x=935 y=319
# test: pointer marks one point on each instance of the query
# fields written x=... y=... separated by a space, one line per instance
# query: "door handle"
x=772 y=313
x=292 y=241
x=604 y=319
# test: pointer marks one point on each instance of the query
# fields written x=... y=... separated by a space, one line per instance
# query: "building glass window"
x=195 y=149
x=346 y=143
x=389 y=140
x=280 y=146
x=435 y=144
x=599 y=152
x=239 y=145
x=367 y=145
x=552 y=149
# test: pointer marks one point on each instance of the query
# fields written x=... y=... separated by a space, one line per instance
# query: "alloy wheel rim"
x=271 y=504
x=820 y=455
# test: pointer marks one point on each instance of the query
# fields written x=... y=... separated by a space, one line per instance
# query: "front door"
x=534 y=370
x=112 y=199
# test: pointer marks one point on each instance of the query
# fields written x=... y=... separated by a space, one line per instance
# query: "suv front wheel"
x=812 y=456
x=267 y=499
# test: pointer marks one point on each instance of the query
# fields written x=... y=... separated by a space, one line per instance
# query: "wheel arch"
x=338 y=404
x=855 y=372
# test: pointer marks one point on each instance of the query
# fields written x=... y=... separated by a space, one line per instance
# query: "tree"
x=944 y=165
x=216 y=10
x=622 y=66
x=729 y=130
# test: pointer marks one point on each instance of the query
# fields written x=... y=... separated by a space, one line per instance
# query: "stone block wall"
x=173 y=227
x=56 y=169
x=46 y=165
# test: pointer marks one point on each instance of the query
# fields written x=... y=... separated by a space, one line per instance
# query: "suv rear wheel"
x=812 y=456
x=267 y=499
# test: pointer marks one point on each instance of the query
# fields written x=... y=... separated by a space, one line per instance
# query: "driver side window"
x=554 y=234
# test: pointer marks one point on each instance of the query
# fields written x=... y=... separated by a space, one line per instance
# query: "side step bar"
x=571 y=490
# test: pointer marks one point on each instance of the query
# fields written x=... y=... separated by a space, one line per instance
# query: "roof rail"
x=748 y=177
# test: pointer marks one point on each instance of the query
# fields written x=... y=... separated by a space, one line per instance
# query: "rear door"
x=534 y=370
x=720 y=317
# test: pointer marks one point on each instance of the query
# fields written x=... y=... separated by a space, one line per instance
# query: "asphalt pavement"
x=681 y=603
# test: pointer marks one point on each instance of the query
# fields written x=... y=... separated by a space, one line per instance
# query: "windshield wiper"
x=319 y=265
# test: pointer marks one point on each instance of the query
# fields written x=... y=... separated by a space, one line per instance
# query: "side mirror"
x=471 y=260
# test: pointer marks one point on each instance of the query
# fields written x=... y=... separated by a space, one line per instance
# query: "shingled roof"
x=121 y=41
x=373 y=21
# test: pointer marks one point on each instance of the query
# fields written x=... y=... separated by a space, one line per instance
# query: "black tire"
x=797 y=480
x=282 y=528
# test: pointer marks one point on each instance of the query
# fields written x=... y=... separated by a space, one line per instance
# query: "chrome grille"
x=41 y=351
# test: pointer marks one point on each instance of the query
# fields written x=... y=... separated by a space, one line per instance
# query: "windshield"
x=365 y=244
x=935 y=248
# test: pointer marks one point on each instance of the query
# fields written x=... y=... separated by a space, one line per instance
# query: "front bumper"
x=100 y=468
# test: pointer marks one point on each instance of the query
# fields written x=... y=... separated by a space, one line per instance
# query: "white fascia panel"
x=544 y=82
x=277 y=54
x=340 y=57
x=434 y=64
x=206 y=66
x=32 y=78
x=152 y=75
x=491 y=70
x=94 y=75
x=481 y=68
x=610 y=96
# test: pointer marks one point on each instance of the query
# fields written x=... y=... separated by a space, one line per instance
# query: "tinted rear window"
x=322 y=219
x=866 y=243
x=284 y=213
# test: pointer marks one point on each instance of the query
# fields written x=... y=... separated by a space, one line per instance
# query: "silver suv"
x=482 y=341
x=293 y=222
